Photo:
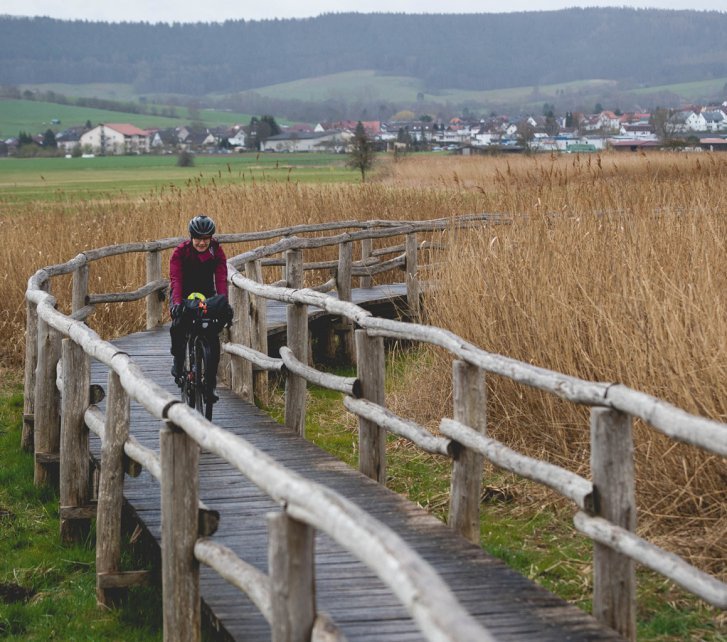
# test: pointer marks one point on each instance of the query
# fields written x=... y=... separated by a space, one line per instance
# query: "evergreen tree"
x=49 y=139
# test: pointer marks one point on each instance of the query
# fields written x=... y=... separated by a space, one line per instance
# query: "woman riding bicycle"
x=197 y=265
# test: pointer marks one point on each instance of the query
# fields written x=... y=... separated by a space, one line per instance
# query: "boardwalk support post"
x=180 y=506
x=240 y=368
x=154 y=299
x=612 y=468
x=74 y=464
x=343 y=287
x=111 y=486
x=470 y=408
x=258 y=327
x=371 y=366
x=79 y=288
x=297 y=340
x=31 y=360
x=412 y=280
x=292 y=578
x=47 y=433
x=366 y=246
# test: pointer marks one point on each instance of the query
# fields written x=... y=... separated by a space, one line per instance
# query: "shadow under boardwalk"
x=509 y=605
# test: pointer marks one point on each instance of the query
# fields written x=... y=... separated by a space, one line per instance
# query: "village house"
x=115 y=139
x=715 y=120
x=326 y=141
x=687 y=120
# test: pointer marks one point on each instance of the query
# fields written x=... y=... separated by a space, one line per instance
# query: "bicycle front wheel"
x=188 y=396
x=202 y=395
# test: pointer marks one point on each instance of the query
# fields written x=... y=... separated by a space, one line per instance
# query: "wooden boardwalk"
x=509 y=605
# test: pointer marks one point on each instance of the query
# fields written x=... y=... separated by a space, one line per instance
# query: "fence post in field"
x=47 y=424
x=240 y=368
x=412 y=281
x=343 y=287
x=181 y=607
x=79 y=288
x=371 y=367
x=154 y=299
x=470 y=408
x=366 y=246
x=297 y=340
x=111 y=486
x=292 y=578
x=258 y=327
x=74 y=465
x=612 y=469
x=31 y=362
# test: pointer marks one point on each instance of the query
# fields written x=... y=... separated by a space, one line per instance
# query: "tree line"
x=637 y=47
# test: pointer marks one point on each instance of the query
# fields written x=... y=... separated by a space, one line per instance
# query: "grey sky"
x=220 y=10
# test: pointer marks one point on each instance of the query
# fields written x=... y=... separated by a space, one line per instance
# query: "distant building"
x=327 y=141
x=116 y=139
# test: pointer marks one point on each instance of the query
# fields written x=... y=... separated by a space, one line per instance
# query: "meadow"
x=35 y=116
x=113 y=177
x=612 y=269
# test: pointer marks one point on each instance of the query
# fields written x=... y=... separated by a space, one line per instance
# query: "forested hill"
x=482 y=51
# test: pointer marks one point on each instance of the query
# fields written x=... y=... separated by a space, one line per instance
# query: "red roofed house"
x=115 y=139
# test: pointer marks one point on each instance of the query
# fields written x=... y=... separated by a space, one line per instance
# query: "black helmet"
x=201 y=225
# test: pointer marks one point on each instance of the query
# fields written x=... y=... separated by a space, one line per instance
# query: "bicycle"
x=196 y=380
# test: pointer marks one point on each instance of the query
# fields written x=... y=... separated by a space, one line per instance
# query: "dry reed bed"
x=40 y=234
x=613 y=269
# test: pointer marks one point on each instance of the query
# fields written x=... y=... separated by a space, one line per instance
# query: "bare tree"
x=362 y=151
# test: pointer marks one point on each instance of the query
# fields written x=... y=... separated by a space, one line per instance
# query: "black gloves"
x=176 y=310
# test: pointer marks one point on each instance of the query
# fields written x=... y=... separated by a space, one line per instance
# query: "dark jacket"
x=192 y=271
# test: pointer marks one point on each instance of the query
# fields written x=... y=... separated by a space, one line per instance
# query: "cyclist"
x=197 y=265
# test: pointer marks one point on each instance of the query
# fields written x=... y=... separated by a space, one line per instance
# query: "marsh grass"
x=48 y=591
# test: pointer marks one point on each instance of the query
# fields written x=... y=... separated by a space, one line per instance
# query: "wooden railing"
x=606 y=503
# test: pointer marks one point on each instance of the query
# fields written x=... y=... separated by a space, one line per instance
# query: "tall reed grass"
x=613 y=269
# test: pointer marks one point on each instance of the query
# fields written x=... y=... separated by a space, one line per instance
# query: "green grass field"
x=34 y=117
x=369 y=85
x=27 y=179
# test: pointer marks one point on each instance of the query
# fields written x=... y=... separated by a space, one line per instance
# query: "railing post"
x=47 y=425
x=79 y=288
x=412 y=280
x=470 y=408
x=154 y=299
x=343 y=287
x=371 y=366
x=240 y=368
x=292 y=578
x=297 y=339
x=111 y=486
x=258 y=327
x=612 y=469
x=31 y=362
x=180 y=569
x=74 y=466
x=366 y=245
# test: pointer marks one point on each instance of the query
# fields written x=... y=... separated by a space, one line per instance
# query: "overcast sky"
x=220 y=10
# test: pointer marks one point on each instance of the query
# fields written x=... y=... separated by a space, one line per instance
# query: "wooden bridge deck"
x=508 y=604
